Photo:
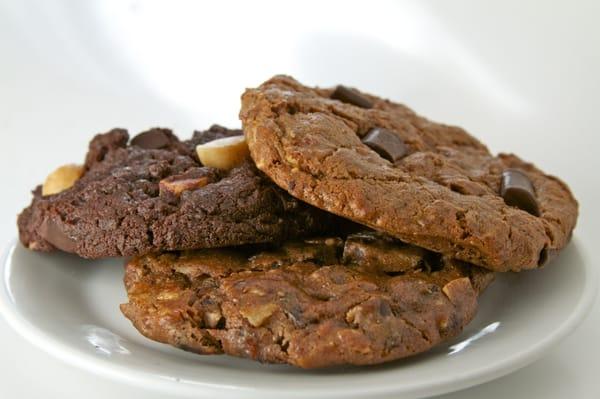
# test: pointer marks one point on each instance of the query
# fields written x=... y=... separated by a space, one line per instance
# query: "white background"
x=522 y=76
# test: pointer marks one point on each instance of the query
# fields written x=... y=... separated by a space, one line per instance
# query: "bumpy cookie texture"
x=322 y=302
x=153 y=194
x=441 y=190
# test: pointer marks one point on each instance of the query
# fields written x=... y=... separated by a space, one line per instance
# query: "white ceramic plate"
x=69 y=307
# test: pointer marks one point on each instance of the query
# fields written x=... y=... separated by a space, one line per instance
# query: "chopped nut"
x=457 y=289
x=167 y=295
x=256 y=291
x=212 y=318
x=258 y=315
x=61 y=179
x=332 y=241
x=292 y=161
x=443 y=324
x=176 y=187
x=355 y=315
x=225 y=153
x=34 y=246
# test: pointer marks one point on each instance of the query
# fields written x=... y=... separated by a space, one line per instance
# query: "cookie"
x=362 y=300
x=432 y=185
x=152 y=194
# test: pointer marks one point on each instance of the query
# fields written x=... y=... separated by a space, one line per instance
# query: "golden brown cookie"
x=364 y=299
x=380 y=164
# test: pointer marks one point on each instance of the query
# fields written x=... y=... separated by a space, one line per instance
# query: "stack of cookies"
x=336 y=228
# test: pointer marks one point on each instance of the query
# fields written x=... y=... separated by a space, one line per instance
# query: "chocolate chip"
x=386 y=143
x=153 y=139
x=350 y=96
x=376 y=253
x=54 y=234
x=517 y=190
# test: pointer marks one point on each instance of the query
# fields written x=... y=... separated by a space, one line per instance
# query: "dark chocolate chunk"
x=386 y=143
x=517 y=190
x=373 y=251
x=54 y=234
x=347 y=95
x=153 y=139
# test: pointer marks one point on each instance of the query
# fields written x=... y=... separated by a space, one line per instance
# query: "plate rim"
x=74 y=357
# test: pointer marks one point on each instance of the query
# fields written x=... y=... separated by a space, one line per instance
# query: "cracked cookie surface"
x=360 y=300
x=152 y=194
x=439 y=188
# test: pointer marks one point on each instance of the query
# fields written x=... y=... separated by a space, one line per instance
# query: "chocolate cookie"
x=362 y=300
x=153 y=194
x=380 y=164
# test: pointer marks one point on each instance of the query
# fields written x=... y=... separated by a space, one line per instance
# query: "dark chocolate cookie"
x=432 y=185
x=152 y=194
x=365 y=299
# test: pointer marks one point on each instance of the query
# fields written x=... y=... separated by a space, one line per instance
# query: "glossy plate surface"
x=70 y=308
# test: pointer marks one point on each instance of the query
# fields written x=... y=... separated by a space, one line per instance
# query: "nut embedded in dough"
x=225 y=153
x=259 y=314
x=61 y=179
x=176 y=187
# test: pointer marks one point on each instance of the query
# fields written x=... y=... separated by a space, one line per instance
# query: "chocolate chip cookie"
x=382 y=165
x=360 y=300
x=152 y=194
